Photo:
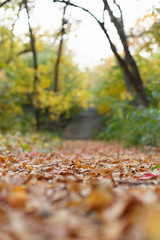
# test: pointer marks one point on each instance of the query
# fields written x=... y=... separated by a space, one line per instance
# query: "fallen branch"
x=132 y=183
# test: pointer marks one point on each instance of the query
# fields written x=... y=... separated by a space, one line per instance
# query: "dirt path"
x=85 y=190
x=86 y=126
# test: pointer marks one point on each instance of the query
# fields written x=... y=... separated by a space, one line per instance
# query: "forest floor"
x=82 y=190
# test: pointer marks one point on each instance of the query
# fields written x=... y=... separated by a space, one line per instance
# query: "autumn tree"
x=127 y=62
x=23 y=4
x=147 y=29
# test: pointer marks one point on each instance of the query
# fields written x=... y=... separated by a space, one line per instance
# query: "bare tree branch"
x=140 y=34
x=24 y=51
x=12 y=29
x=3 y=3
x=77 y=6
x=113 y=47
x=103 y=15
x=120 y=10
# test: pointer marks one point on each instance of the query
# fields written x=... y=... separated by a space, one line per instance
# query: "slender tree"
x=12 y=32
x=128 y=65
x=60 y=48
x=35 y=64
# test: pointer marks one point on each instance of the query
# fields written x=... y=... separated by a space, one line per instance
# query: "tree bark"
x=35 y=66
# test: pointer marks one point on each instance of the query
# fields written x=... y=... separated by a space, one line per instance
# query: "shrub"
x=134 y=127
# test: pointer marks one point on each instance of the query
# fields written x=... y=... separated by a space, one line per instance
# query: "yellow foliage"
x=17 y=109
x=104 y=108
x=125 y=95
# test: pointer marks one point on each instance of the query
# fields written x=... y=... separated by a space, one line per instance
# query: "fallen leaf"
x=17 y=199
x=148 y=176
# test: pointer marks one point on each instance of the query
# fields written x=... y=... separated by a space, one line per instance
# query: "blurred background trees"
x=43 y=88
x=27 y=70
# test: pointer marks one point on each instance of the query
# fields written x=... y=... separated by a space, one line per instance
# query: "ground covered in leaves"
x=79 y=190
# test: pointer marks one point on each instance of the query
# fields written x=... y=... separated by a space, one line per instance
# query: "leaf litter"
x=80 y=190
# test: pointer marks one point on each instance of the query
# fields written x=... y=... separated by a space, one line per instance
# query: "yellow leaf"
x=17 y=199
x=98 y=200
x=30 y=168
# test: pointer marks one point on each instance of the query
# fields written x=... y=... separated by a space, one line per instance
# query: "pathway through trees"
x=85 y=127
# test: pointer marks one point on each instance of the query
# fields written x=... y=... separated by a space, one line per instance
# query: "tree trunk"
x=56 y=76
x=128 y=85
x=138 y=81
x=138 y=84
x=37 y=117
x=126 y=72
x=35 y=66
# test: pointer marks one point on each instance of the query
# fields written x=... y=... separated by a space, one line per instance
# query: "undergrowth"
x=133 y=127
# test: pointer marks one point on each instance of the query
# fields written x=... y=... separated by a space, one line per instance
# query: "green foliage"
x=124 y=123
x=153 y=168
x=10 y=111
x=134 y=127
